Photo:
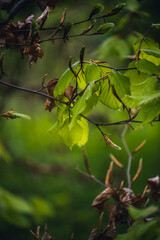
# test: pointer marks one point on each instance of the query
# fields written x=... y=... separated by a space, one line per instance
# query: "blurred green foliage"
x=39 y=183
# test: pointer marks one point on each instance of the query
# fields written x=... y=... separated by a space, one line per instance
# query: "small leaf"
x=105 y=27
x=141 y=213
x=13 y=115
x=110 y=143
x=96 y=9
x=117 y=8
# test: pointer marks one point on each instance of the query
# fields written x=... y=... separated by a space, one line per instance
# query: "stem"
x=129 y=155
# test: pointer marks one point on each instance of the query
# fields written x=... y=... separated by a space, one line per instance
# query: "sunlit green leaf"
x=65 y=80
x=144 y=88
x=150 y=44
x=92 y=73
x=78 y=134
x=81 y=103
x=135 y=77
x=107 y=97
x=152 y=52
x=120 y=82
x=147 y=67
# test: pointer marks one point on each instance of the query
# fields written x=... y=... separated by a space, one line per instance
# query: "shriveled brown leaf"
x=138 y=200
x=93 y=234
x=43 y=16
x=50 y=103
x=34 y=52
x=126 y=197
x=100 y=201
x=154 y=184
x=69 y=92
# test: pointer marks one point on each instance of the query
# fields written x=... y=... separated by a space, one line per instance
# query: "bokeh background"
x=38 y=179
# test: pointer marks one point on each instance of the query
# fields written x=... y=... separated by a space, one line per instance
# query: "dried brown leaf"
x=50 y=103
x=126 y=197
x=138 y=171
x=100 y=201
x=43 y=16
x=154 y=184
x=34 y=52
x=138 y=200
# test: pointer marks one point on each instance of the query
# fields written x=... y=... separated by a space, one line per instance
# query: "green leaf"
x=118 y=8
x=135 y=77
x=121 y=83
x=152 y=52
x=147 y=67
x=105 y=27
x=65 y=80
x=78 y=134
x=141 y=213
x=132 y=101
x=148 y=43
x=144 y=88
x=92 y=72
x=107 y=97
x=150 y=110
x=81 y=103
x=96 y=9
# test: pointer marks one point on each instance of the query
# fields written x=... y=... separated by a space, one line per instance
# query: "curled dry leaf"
x=50 y=103
x=154 y=184
x=43 y=16
x=34 y=52
x=100 y=201
x=138 y=200
x=126 y=197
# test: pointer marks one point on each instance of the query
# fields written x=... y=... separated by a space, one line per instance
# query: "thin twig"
x=32 y=91
x=129 y=155
x=91 y=177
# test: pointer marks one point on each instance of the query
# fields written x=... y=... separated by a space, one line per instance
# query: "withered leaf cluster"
x=118 y=210
x=24 y=36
